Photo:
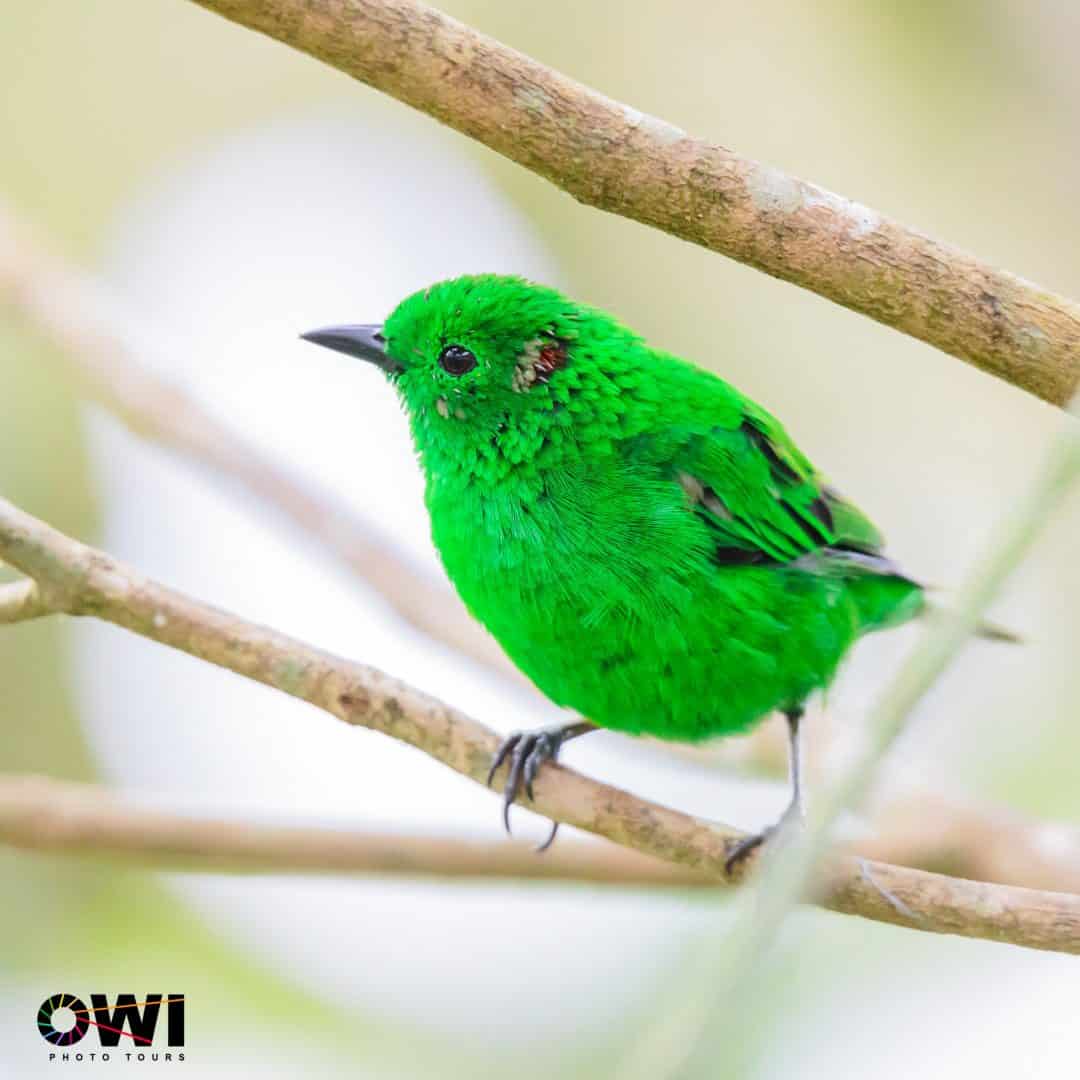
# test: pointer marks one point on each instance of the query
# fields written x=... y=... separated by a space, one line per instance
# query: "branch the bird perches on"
x=72 y=578
x=67 y=306
x=609 y=156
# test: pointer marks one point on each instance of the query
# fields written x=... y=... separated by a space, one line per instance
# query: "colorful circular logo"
x=50 y=1007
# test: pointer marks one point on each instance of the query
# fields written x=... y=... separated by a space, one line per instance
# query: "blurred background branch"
x=49 y=816
x=79 y=580
x=970 y=840
x=610 y=156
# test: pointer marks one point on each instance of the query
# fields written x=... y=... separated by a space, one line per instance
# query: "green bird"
x=647 y=544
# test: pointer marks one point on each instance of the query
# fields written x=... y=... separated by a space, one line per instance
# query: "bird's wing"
x=759 y=493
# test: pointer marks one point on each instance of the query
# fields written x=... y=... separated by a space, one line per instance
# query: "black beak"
x=363 y=342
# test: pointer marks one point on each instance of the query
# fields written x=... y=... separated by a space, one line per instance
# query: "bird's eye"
x=456 y=360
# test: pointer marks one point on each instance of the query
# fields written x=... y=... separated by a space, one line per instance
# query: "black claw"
x=541 y=848
x=527 y=751
x=513 y=777
x=744 y=848
x=505 y=747
x=544 y=748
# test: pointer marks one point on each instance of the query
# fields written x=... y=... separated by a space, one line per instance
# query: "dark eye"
x=456 y=360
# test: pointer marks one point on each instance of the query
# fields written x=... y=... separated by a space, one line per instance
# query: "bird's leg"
x=794 y=812
x=527 y=751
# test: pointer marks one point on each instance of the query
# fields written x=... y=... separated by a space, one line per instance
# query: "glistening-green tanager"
x=646 y=543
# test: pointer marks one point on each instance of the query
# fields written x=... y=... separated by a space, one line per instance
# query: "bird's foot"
x=791 y=818
x=527 y=751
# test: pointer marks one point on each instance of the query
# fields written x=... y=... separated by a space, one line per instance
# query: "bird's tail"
x=886 y=597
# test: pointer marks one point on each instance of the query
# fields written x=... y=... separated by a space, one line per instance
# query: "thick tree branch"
x=76 y=316
x=80 y=580
x=608 y=155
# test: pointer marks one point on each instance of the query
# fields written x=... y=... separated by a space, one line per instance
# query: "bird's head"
x=487 y=366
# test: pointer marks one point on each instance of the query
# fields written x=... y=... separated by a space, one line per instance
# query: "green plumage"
x=647 y=544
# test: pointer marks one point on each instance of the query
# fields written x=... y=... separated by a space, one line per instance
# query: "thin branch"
x=80 y=580
x=78 y=318
x=38 y=814
x=609 y=155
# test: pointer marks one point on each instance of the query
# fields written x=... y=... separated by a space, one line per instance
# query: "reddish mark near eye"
x=550 y=358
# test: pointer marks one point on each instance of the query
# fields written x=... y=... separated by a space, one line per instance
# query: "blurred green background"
x=959 y=118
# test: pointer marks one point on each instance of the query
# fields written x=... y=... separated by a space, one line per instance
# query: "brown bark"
x=80 y=580
x=610 y=156
x=38 y=814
